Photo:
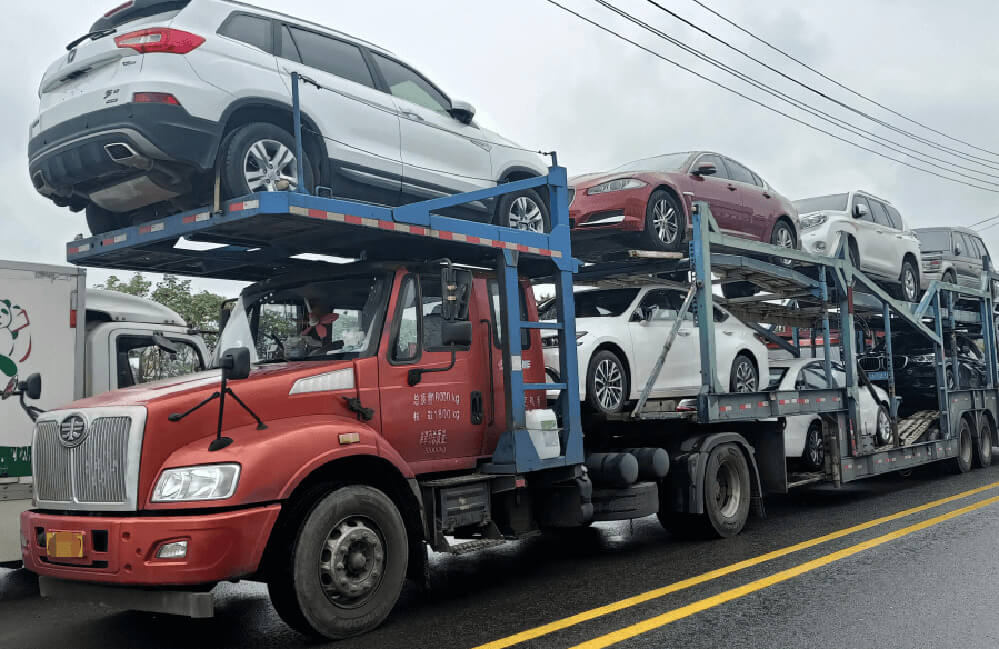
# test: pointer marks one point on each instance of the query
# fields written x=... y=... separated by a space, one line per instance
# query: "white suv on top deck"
x=877 y=239
x=137 y=115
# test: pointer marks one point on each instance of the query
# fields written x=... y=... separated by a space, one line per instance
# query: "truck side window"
x=406 y=325
x=430 y=296
x=141 y=361
x=497 y=309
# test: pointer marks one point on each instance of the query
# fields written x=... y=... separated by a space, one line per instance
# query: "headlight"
x=579 y=335
x=616 y=186
x=813 y=221
x=552 y=341
x=206 y=482
x=924 y=358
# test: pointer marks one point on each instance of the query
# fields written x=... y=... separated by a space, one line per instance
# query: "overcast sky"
x=546 y=80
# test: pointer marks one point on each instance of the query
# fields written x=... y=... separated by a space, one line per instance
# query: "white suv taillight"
x=160 y=39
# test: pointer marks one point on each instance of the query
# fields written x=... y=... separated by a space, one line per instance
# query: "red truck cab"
x=361 y=390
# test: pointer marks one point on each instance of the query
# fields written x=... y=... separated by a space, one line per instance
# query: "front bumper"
x=621 y=210
x=122 y=550
x=69 y=160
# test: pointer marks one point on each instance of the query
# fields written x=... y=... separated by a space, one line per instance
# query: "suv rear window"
x=325 y=53
x=251 y=30
x=126 y=12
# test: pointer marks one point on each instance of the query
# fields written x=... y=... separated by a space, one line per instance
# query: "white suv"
x=138 y=115
x=620 y=332
x=877 y=239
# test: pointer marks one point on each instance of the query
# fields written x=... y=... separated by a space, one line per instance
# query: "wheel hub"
x=268 y=164
x=525 y=214
x=351 y=563
x=608 y=383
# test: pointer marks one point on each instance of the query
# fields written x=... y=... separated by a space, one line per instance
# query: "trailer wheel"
x=962 y=463
x=346 y=566
x=983 y=450
x=726 y=492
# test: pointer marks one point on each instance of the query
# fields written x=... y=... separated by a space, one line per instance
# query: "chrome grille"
x=99 y=462
x=51 y=463
x=95 y=471
x=870 y=363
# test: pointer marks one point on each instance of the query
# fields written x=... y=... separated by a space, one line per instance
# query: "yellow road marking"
x=710 y=602
x=584 y=616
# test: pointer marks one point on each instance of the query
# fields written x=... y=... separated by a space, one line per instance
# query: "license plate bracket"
x=65 y=544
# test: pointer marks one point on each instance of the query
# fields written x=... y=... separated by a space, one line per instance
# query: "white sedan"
x=803 y=433
x=620 y=332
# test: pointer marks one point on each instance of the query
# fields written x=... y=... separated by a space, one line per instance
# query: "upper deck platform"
x=265 y=233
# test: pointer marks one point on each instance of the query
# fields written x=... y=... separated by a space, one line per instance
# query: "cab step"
x=475 y=546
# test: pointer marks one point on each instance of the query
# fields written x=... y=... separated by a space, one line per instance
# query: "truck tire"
x=256 y=157
x=962 y=463
x=983 y=450
x=726 y=492
x=346 y=565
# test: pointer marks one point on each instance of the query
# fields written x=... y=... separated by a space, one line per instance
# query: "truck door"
x=436 y=424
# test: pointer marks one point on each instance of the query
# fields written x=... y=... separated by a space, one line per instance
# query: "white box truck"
x=81 y=343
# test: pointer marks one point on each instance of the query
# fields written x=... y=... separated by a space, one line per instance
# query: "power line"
x=758 y=102
x=870 y=136
x=954 y=152
x=837 y=83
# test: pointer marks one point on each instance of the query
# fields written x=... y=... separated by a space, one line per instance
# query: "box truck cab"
x=82 y=343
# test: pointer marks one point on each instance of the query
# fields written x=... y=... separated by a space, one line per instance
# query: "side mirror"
x=32 y=386
x=462 y=111
x=235 y=363
x=860 y=211
x=957 y=250
x=456 y=284
x=705 y=169
x=456 y=333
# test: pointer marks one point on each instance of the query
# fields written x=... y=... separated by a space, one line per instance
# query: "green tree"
x=135 y=285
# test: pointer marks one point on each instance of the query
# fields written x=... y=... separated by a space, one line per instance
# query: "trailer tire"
x=726 y=492
x=962 y=463
x=317 y=595
x=983 y=450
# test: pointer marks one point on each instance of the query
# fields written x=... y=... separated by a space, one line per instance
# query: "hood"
x=585 y=181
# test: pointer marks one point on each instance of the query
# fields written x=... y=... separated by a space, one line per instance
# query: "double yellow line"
x=760 y=584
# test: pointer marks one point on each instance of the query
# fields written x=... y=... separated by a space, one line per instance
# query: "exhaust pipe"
x=124 y=154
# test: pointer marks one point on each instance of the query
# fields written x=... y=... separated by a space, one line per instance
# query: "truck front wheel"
x=346 y=566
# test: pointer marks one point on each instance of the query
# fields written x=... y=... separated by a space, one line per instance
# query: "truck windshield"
x=832 y=202
x=933 y=240
x=314 y=320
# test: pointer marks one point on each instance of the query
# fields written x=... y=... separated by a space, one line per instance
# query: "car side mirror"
x=860 y=211
x=456 y=333
x=705 y=169
x=235 y=363
x=32 y=386
x=957 y=250
x=462 y=111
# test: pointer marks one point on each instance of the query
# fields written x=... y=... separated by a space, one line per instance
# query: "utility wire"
x=837 y=83
x=870 y=136
x=758 y=102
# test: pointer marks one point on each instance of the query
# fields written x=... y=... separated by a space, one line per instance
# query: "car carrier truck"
x=365 y=413
x=75 y=342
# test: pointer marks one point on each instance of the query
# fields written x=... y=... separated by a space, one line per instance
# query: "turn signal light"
x=172 y=550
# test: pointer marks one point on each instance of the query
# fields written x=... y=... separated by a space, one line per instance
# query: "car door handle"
x=727 y=333
x=411 y=115
x=681 y=332
x=732 y=188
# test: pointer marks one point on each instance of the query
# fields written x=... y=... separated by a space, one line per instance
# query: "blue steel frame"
x=132 y=247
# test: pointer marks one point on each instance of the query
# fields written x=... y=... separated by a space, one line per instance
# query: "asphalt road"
x=924 y=578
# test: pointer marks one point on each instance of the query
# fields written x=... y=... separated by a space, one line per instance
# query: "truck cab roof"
x=121 y=307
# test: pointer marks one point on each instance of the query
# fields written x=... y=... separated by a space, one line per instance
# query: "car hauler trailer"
x=397 y=405
x=79 y=343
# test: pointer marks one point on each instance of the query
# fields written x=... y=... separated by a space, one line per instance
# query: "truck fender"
x=690 y=458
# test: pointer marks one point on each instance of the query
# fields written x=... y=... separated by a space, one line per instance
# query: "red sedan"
x=646 y=203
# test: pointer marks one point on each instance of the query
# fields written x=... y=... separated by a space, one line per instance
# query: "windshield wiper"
x=100 y=33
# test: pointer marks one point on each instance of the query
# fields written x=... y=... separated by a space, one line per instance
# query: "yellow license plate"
x=64 y=545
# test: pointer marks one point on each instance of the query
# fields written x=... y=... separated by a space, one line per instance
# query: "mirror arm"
x=415 y=375
x=33 y=411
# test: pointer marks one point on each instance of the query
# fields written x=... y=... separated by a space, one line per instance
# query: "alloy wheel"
x=815 y=451
x=525 y=214
x=745 y=376
x=608 y=381
x=883 y=427
x=665 y=221
x=352 y=562
x=909 y=284
x=268 y=164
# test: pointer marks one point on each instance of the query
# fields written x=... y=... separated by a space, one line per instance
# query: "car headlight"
x=616 y=185
x=205 y=482
x=813 y=221
x=923 y=358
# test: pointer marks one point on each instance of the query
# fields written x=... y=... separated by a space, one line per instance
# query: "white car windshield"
x=832 y=203
x=314 y=320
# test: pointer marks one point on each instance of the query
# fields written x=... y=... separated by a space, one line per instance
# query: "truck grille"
x=93 y=472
